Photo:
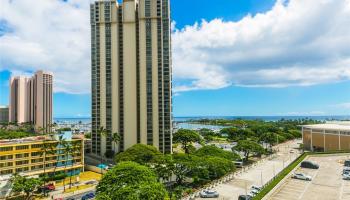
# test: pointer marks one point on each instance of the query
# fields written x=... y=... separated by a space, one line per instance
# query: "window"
x=6 y=148
x=22 y=147
x=34 y=154
x=6 y=164
x=3 y=172
x=24 y=155
x=6 y=157
x=22 y=162
x=36 y=146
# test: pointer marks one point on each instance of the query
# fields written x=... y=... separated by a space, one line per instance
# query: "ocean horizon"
x=265 y=118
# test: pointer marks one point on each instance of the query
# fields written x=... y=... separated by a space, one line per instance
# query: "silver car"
x=301 y=176
x=209 y=194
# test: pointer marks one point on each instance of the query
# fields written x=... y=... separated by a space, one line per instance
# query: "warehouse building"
x=326 y=137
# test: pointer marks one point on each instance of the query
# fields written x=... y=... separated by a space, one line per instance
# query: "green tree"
x=189 y=167
x=66 y=149
x=248 y=147
x=212 y=150
x=186 y=138
x=46 y=149
x=269 y=138
x=140 y=153
x=73 y=150
x=129 y=181
x=26 y=185
x=103 y=133
x=207 y=134
x=217 y=167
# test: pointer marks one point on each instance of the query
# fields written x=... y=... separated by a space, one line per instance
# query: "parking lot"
x=326 y=184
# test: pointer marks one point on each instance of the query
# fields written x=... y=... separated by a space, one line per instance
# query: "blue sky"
x=247 y=58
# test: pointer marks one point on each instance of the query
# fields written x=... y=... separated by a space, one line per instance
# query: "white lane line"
x=341 y=190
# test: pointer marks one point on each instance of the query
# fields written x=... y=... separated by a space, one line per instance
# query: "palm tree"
x=103 y=133
x=116 y=138
x=66 y=150
x=60 y=144
x=73 y=150
x=46 y=148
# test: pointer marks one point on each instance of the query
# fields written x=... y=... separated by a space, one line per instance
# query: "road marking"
x=341 y=190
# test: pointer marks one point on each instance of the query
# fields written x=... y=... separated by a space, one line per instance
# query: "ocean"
x=186 y=119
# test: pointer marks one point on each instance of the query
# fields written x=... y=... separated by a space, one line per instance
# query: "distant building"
x=4 y=114
x=31 y=100
x=131 y=74
x=326 y=137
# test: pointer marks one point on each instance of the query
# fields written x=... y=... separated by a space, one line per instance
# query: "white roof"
x=334 y=127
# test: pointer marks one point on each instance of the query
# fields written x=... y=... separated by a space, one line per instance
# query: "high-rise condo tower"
x=131 y=74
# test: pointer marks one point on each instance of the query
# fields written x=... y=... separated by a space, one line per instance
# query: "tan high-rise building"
x=131 y=74
x=31 y=99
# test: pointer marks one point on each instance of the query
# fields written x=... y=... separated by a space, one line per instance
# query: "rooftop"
x=334 y=127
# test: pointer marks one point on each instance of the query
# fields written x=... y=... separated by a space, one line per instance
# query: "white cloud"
x=299 y=43
x=51 y=35
x=311 y=113
x=343 y=105
x=304 y=42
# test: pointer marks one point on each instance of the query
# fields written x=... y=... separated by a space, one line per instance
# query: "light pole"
x=261 y=177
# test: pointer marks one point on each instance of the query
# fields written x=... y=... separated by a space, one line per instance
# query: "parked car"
x=209 y=194
x=309 y=164
x=91 y=182
x=253 y=193
x=88 y=196
x=301 y=176
x=245 y=197
x=347 y=163
x=238 y=164
x=345 y=172
x=346 y=176
x=47 y=188
x=257 y=188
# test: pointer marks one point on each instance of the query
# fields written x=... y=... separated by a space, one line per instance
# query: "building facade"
x=4 y=114
x=31 y=100
x=131 y=74
x=326 y=137
x=26 y=156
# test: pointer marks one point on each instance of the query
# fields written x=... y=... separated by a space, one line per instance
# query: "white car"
x=346 y=176
x=301 y=176
x=209 y=194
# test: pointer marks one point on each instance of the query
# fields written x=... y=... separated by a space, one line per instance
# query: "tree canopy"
x=26 y=185
x=248 y=147
x=212 y=150
x=139 y=153
x=186 y=137
x=130 y=180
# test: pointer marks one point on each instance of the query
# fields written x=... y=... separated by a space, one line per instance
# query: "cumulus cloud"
x=296 y=43
x=52 y=35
